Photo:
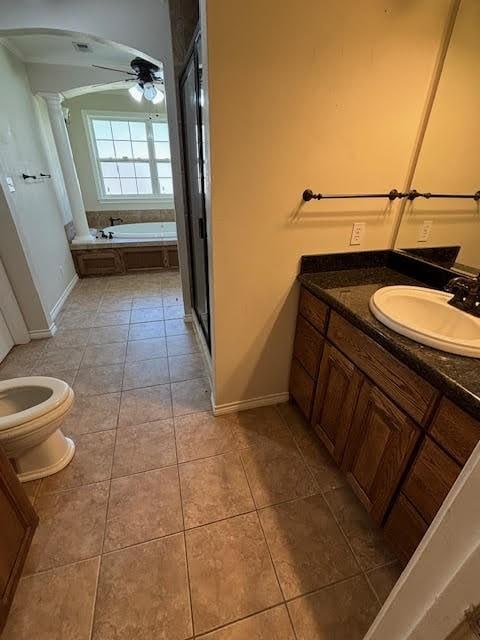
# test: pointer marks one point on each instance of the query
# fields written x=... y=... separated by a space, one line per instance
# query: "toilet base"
x=47 y=458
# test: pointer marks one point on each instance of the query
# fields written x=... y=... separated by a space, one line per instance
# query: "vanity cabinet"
x=400 y=444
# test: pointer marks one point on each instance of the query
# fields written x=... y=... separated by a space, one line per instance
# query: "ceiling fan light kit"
x=149 y=83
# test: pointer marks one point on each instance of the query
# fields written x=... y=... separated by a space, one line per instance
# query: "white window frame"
x=164 y=200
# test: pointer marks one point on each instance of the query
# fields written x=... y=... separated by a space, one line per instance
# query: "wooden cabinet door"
x=379 y=446
x=335 y=399
x=18 y=522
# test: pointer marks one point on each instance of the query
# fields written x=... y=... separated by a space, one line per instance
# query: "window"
x=130 y=156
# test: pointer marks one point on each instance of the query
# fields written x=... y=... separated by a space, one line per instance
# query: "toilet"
x=32 y=411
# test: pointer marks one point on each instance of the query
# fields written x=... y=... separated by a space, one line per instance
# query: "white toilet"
x=32 y=411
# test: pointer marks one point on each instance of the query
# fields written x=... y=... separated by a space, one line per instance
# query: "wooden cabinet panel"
x=313 y=309
x=455 y=430
x=335 y=399
x=307 y=347
x=18 y=522
x=404 y=528
x=98 y=263
x=301 y=388
x=379 y=446
x=406 y=388
x=430 y=479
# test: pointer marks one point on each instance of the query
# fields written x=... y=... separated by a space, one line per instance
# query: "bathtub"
x=146 y=230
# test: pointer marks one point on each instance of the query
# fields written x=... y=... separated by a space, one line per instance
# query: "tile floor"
x=171 y=524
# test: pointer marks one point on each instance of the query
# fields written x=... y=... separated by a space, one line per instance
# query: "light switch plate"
x=425 y=231
x=358 y=233
x=10 y=185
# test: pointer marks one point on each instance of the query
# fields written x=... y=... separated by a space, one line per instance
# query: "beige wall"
x=302 y=94
x=33 y=243
x=449 y=158
x=102 y=101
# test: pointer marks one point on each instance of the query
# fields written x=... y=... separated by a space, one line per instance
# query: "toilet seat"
x=60 y=392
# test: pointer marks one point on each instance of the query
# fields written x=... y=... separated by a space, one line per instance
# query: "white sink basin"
x=424 y=316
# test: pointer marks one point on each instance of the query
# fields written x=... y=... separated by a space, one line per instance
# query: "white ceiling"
x=59 y=49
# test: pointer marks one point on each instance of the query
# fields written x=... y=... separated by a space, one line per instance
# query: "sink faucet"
x=114 y=220
x=466 y=294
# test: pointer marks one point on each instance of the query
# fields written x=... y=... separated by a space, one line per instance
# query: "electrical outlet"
x=425 y=230
x=358 y=232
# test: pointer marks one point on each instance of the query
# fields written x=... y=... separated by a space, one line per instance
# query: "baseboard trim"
x=188 y=317
x=61 y=301
x=252 y=403
x=38 y=334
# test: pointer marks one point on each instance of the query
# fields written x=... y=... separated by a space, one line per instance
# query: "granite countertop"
x=348 y=292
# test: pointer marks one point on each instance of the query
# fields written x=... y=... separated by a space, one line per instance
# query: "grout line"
x=94 y=600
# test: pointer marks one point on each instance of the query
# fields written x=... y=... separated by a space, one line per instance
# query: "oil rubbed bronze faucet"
x=466 y=294
x=114 y=220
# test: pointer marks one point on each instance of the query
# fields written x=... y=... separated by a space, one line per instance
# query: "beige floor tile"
x=172 y=299
x=144 y=447
x=67 y=375
x=138 y=350
x=92 y=413
x=31 y=489
x=71 y=527
x=67 y=338
x=153 y=602
x=143 y=507
x=261 y=426
x=273 y=624
x=343 y=611
x=276 y=473
x=76 y=319
x=177 y=326
x=231 y=574
x=186 y=367
x=213 y=489
x=146 y=373
x=171 y=313
x=147 y=315
x=191 y=396
x=110 y=318
x=66 y=358
x=55 y=605
x=147 y=302
x=307 y=546
x=180 y=345
x=144 y=330
x=145 y=405
x=98 y=380
x=103 y=354
x=364 y=537
x=115 y=304
x=199 y=435
x=324 y=469
x=92 y=462
x=107 y=335
x=383 y=580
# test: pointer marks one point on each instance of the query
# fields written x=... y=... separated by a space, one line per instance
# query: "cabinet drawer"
x=406 y=388
x=404 y=528
x=308 y=346
x=313 y=309
x=430 y=479
x=301 y=388
x=455 y=430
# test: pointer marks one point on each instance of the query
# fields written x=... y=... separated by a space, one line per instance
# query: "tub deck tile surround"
x=172 y=523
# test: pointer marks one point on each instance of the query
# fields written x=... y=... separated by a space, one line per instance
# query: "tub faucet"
x=114 y=220
x=466 y=294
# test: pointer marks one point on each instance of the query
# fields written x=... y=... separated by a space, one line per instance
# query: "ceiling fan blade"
x=99 y=66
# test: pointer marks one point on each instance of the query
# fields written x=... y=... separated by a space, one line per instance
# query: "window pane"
x=123 y=149
x=120 y=131
x=129 y=185
x=166 y=185
x=160 y=131
x=138 y=131
x=126 y=170
x=164 y=170
x=140 y=150
x=162 y=150
x=105 y=149
x=142 y=169
x=144 y=185
x=112 y=186
x=101 y=129
x=109 y=169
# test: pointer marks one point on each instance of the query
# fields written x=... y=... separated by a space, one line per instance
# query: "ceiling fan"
x=148 y=77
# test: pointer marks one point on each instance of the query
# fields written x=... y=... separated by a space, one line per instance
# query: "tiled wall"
x=100 y=219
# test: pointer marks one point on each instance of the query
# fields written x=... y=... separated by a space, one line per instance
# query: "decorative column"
x=64 y=150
